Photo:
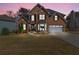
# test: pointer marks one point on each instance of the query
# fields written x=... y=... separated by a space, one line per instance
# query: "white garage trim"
x=56 y=28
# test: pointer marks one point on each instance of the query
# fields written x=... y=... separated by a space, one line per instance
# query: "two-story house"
x=40 y=19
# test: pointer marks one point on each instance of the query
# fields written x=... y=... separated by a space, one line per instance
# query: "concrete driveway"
x=69 y=37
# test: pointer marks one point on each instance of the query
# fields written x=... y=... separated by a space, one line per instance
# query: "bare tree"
x=10 y=13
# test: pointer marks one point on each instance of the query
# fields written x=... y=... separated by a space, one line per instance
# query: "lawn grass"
x=25 y=44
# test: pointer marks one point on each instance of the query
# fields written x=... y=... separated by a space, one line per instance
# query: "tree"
x=9 y=13
x=23 y=11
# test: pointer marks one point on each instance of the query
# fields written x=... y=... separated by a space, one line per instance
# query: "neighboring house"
x=40 y=19
x=73 y=21
x=7 y=22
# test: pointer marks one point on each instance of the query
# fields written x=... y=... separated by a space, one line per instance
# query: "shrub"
x=5 y=31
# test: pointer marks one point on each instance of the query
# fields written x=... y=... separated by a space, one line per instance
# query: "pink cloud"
x=61 y=7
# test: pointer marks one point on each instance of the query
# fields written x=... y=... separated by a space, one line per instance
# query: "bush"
x=5 y=31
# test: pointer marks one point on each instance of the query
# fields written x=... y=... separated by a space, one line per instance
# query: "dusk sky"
x=61 y=7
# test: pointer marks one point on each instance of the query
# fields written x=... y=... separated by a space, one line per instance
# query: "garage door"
x=56 y=28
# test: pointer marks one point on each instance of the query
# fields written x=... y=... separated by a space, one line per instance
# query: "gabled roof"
x=70 y=15
x=7 y=18
x=49 y=12
x=40 y=6
x=26 y=18
x=73 y=14
x=73 y=19
x=52 y=12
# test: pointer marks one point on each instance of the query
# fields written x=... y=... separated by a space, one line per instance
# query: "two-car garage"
x=55 y=28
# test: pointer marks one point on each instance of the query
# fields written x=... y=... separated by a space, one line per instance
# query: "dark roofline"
x=38 y=6
x=7 y=20
x=56 y=12
x=23 y=18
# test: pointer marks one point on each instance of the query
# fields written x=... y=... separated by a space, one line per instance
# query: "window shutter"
x=58 y=17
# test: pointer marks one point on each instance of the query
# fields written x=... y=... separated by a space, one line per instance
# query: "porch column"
x=36 y=27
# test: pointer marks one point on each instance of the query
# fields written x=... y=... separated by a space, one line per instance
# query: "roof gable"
x=39 y=6
x=52 y=12
x=24 y=18
x=58 y=16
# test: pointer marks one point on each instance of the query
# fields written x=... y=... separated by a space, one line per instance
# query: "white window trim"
x=45 y=27
x=32 y=17
x=61 y=25
x=57 y=26
x=38 y=27
x=24 y=26
x=42 y=17
x=56 y=17
x=42 y=24
x=41 y=28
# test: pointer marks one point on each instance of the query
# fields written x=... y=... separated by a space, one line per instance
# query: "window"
x=32 y=17
x=41 y=27
x=41 y=17
x=24 y=26
x=56 y=18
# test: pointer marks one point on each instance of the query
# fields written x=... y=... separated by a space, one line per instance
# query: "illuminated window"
x=42 y=27
x=24 y=26
x=32 y=17
x=56 y=18
x=41 y=17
